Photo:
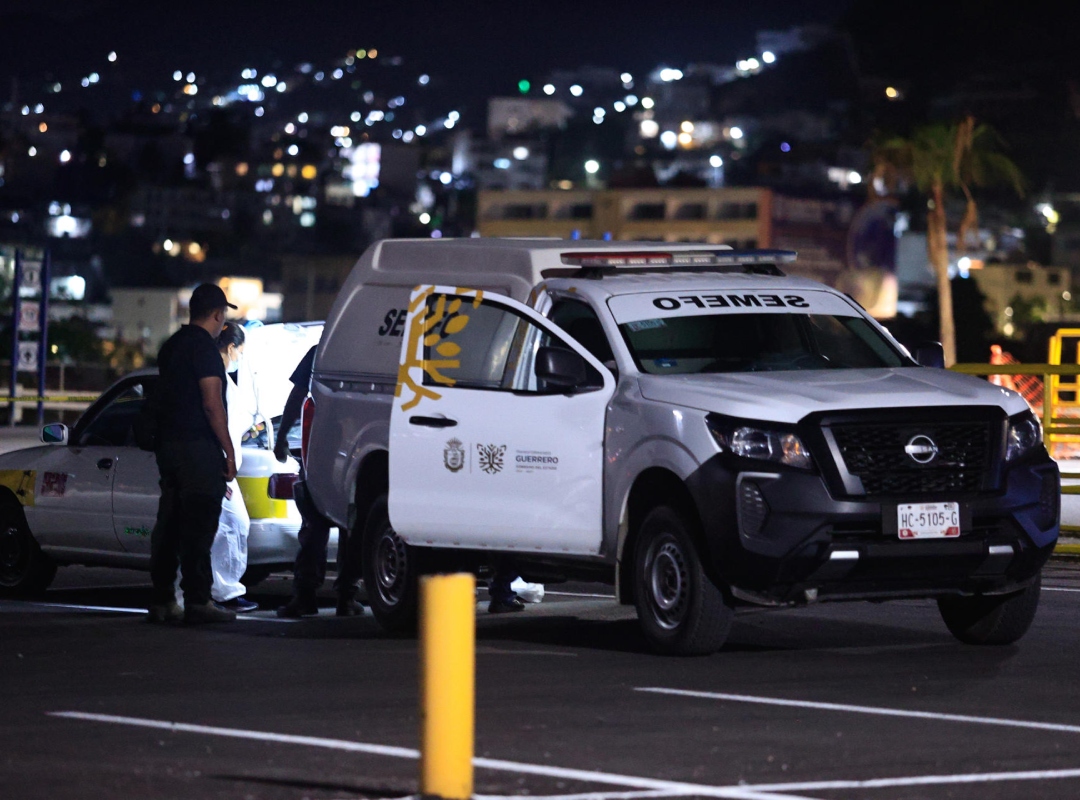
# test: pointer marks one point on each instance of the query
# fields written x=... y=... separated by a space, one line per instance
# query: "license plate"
x=928 y=520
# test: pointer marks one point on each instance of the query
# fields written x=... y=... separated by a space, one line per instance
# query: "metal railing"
x=1058 y=429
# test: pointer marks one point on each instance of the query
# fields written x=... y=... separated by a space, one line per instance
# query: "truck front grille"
x=876 y=454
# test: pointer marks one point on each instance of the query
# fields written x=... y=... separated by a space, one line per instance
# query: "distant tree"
x=1027 y=313
x=77 y=339
x=939 y=159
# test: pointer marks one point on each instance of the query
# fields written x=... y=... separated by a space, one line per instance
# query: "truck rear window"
x=757 y=343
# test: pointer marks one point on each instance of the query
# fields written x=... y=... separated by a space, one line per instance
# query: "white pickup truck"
x=680 y=420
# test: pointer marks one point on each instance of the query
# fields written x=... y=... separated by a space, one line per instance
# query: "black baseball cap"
x=207 y=298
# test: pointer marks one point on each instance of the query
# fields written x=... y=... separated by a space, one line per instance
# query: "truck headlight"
x=1024 y=434
x=760 y=443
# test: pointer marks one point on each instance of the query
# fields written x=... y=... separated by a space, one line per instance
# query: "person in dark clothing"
x=503 y=598
x=310 y=569
x=195 y=459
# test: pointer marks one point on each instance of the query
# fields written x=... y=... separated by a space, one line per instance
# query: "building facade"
x=736 y=217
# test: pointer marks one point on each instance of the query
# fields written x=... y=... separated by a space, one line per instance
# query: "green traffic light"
x=523 y=86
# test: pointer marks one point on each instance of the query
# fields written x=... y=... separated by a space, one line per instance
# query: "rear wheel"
x=682 y=612
x=24 y=568
x=991 y=619
x=390 y=569
x=255 y=574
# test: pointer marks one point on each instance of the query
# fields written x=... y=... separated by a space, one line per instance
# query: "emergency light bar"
x=754 y=261
x=686 y=258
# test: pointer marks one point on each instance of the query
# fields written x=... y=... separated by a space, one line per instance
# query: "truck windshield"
x=756 y=343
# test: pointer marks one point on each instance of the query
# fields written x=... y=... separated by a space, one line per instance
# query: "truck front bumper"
x=780 y=536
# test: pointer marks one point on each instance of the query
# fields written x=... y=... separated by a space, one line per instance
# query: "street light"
x=592 y=166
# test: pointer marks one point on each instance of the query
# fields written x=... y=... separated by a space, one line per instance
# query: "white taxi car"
x=89 y=495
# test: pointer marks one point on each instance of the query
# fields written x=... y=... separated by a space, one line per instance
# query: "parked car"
x=89 y=496
x=683 y=421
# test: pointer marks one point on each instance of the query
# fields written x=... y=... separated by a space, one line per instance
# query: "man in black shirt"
x=195 y=458
x=310 y=569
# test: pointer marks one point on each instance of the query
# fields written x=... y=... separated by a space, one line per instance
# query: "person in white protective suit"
x=229 y=552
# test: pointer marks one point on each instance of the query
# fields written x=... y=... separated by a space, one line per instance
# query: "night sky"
x=476 y=48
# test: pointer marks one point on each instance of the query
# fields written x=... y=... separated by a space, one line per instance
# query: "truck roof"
x=362 y=329
x=512 y=266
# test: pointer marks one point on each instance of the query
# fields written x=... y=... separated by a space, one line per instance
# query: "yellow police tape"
x=52 y=398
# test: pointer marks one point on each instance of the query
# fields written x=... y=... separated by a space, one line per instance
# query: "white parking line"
x=668 y=788
x=853 y=709
x=581 y=796
x=580 y=594
x=919 y=780
x=127 y=610
x=77 y=607
x=646 y=787
x=1059 y=589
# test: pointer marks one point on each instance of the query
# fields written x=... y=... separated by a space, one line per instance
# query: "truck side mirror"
x=930 y=354
x=56 y=433
x=560 y=368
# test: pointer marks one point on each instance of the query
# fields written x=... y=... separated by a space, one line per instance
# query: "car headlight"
x=1025 y=432
x=761 y=443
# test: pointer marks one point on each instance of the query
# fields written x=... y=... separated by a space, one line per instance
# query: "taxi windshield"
x=757 y=343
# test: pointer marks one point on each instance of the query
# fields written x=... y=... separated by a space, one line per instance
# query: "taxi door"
x=74 y=504
x=135 y=490
x=483 y=454
x=135 y=498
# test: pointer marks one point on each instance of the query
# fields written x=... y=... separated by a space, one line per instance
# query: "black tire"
x=24 y=569
x=390 y=569
x=991 y=619
x=256 y=574
x=682 y=612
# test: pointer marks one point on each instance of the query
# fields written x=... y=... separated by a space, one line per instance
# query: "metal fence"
x=1059 y=412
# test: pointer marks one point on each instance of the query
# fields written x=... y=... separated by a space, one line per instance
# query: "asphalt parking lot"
x=841 y=701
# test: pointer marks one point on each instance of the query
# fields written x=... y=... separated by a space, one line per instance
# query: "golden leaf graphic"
x=456 y=323
x=428 y=325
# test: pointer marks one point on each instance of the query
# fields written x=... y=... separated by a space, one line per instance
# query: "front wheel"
x=682 y=612
x=991 y=619
x=390 y=572
x=24 y=568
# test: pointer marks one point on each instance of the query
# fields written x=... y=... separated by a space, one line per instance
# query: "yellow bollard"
x=447 y=685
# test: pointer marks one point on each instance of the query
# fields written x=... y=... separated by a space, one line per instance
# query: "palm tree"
x=940 y=158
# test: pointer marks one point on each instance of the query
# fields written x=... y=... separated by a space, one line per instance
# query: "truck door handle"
x=433 y=422
x=104 y=463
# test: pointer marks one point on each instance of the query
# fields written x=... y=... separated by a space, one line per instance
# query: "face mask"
x=234 y=365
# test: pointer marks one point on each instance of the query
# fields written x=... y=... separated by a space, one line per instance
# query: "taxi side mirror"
x=560 y=368
x=56 y=433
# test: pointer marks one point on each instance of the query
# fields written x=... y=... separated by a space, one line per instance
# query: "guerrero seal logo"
x=491 y=457
x=453 y=455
